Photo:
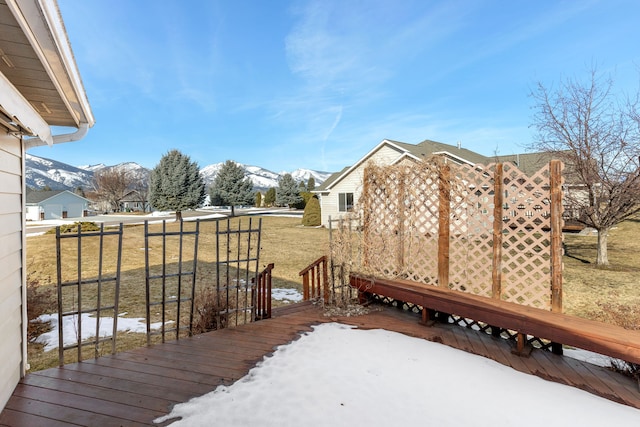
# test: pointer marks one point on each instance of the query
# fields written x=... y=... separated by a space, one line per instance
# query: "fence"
x=192 y=276
x=488 y=230
x=101 y=287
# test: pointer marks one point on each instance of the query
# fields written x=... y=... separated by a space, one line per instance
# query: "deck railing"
x=261 y=294
x=315 y=280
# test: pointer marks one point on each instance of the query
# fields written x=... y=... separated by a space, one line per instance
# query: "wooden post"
x=444 y=212
x=325 y=280
x=305 y=287
x=498 y=200
x=555 y=182
x=401 y=196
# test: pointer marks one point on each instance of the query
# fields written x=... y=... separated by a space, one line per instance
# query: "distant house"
x=133 y=201
x=42 y=102
x=340 y=192
x=55 y=205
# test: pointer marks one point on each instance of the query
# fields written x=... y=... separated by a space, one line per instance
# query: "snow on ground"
x=340 y=376
x=290 y=295
x=70 y=328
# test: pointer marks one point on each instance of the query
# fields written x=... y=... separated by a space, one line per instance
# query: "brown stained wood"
x=65 y=414
x=102 y=392
x=555 y=183
x=136 y=378
x=499 y=344
x=129 y=412
x=582 y=333
x=198 y=364
x=168 y=373
x=498 y=200
x=444 y=229
x=81 y=379
x=10 y=417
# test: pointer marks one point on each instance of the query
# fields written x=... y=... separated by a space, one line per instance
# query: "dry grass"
x=600 y=293
x=283 y=242
x=611 y=295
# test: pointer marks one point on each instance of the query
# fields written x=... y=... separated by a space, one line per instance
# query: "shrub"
x=73 y=228
x=40 y=300
x=207 y=312
x=311 y=216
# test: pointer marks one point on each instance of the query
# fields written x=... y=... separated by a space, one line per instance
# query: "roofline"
x=365 y=157
x=437 y=153
x=42 y=25
x=57 y=194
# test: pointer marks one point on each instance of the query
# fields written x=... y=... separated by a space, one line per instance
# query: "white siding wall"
x=352 y=183
x=12 y=348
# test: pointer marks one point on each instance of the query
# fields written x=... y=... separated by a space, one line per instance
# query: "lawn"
x=610 y=295
x=283 y=242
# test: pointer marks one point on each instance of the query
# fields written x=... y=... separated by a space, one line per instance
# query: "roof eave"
x=42 y=25
x=364 y=159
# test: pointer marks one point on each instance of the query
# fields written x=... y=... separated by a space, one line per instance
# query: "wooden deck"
x=135 y=387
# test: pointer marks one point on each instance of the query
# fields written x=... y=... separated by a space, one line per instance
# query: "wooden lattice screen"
x=488 y=230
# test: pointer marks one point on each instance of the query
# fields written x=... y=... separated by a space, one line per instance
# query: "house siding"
x=12 y=309
x=352 y=182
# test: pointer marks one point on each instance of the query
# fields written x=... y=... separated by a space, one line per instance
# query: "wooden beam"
x=555 y=181
x=498 y=200
x=444 y=213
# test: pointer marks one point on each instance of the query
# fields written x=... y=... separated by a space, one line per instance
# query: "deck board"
x=135 y=387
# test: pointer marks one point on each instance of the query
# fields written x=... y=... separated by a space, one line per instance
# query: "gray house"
x=55 y=204
x=42 y=102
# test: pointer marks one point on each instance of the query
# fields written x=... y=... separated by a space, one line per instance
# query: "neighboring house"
x=133 y=201
x=54 y=205
x=341 y=191
x=41 y=96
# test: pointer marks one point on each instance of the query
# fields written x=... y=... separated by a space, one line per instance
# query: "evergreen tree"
x=232 y=187
x=270 y=197
x=258 y=199
x=311 y=217
x=176 y=184
x=288 y=193
x=311 y=184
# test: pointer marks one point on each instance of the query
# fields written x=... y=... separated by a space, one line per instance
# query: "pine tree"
x=258 y=199
x=288 y=193
x=270 y=197
x=231 y=186
x=311 y=184
x=311 y=216
x=176 y=184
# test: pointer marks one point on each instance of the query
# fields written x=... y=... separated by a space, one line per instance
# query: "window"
x=345 y=202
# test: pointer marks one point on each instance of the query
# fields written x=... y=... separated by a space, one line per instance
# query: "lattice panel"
x=526 y=240
x=471 y=247
x=400 y=211
x=396 y=235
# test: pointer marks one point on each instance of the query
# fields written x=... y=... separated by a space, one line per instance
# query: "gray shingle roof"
x=40 y=196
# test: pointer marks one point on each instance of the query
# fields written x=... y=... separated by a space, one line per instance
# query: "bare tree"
x=597 y=137
x=111 y=185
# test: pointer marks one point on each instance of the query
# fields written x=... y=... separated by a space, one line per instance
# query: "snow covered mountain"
x=262 y=178
x=41 y=172
x=56 y=175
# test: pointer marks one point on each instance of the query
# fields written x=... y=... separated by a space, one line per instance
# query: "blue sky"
x=317 y=84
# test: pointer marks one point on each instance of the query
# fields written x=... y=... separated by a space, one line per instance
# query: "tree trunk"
x=233 y=211
x=602 y=258
x=178 y=216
